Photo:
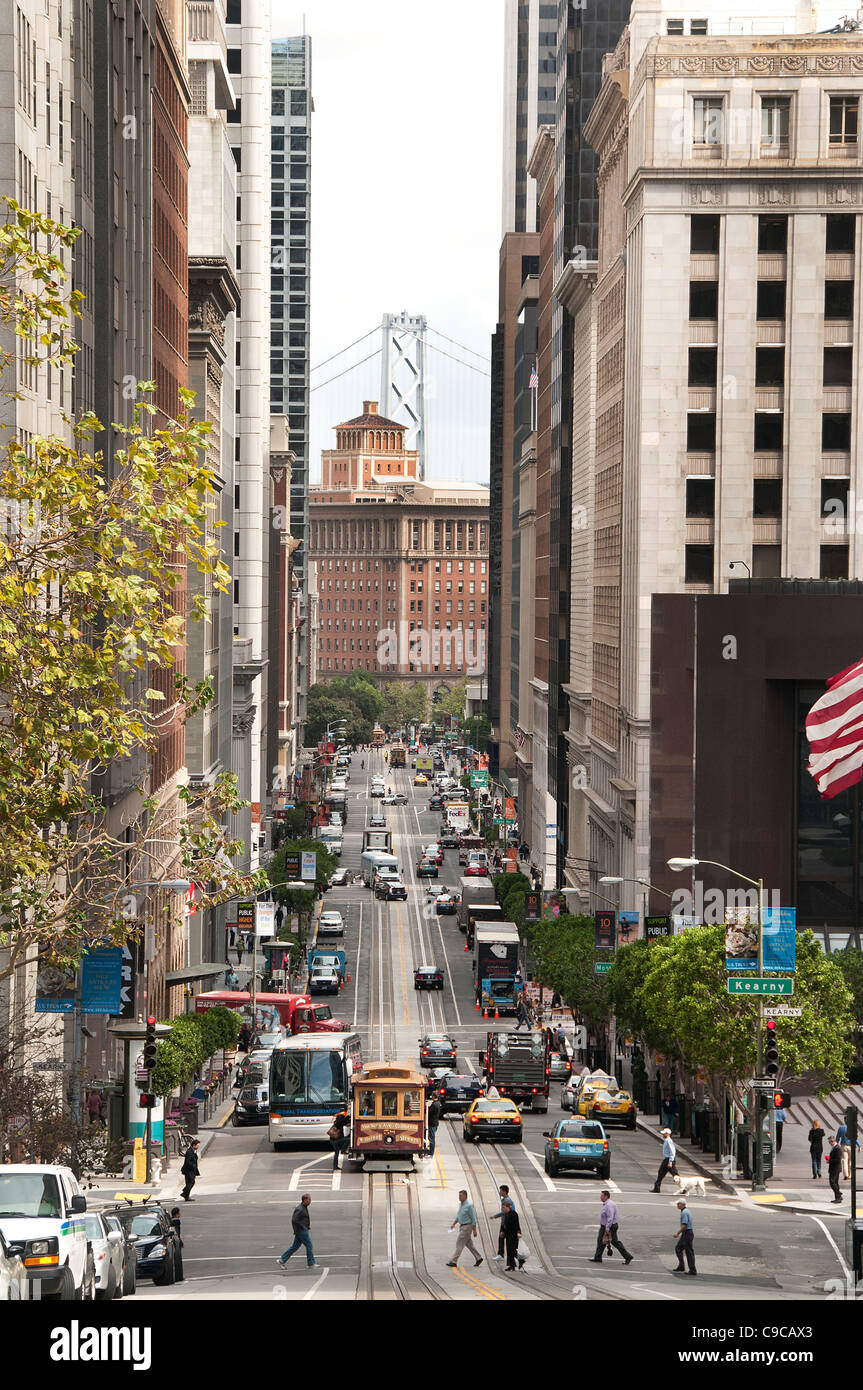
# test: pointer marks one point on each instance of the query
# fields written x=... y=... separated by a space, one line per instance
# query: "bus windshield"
x=307 y=1077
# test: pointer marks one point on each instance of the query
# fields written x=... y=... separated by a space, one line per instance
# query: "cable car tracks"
x=393 y=1266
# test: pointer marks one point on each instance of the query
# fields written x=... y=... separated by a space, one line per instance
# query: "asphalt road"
x=239 y=1220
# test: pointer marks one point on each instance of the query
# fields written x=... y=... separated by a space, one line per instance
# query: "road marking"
x=479 y=1287
x=658 y=1292
x=538 y=1166
x=818 y=1222
x=356 y=981
x=315 y=1286
x=295 y=1176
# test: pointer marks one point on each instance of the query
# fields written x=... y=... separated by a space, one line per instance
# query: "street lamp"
x=650 y=887
x=678 y=863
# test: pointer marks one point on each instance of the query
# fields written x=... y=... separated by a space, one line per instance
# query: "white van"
x=48 y=1225
x=370 y=860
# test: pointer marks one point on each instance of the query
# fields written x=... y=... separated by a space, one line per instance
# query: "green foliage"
x=289 y=826
x=563 y=950
x=453 y=702
x=626 y=985
x=850 y=962
x=179 y=1055
x=684 y=1005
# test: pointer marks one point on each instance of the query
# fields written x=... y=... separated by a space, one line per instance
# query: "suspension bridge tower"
x=404 y=378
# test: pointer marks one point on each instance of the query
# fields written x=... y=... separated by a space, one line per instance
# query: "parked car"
x=617 y=1109
x=324 y=979
x=575 y=1143
x=41 y=1206
x=109 y=1255
x=157 y=1245
x=130 y=1258
x=428 y=977
x=458 y=1093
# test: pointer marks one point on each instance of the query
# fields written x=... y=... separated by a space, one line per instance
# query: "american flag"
x=534 y=380
x=834 y=727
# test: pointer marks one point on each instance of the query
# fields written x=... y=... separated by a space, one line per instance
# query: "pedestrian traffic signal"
x=851 y=1122
x=150 y=1046
x=147 y=1101
x=777 y=1100
x=771 y=1054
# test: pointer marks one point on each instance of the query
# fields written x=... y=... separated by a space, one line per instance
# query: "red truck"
x=296 y=1012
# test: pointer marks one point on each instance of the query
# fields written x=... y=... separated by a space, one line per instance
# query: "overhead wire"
x=321 y=384
x=481 y=355
x=343 y=350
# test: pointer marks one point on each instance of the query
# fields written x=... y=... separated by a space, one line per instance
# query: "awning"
x=196 y=972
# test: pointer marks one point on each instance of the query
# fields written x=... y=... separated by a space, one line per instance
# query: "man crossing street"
x=685 y=1241
x=190 y=1170
x=669 y=1159
x=302 y=1234
x=834 y=1169
x=467 y=1232
x=608 y=1223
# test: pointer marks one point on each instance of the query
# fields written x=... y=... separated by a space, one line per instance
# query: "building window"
x=235 y=60
x=837 y=366
x=767 y=498
x=835 y=432
x=704 y=234
x=838 y=299
x=840 y=231
x=697 y=26
x=699 y=564
x=834 y=562
x=772 y=235
x=766 y=561
x=674 y=27
x=843 y=121
x=700 y=432
x=775 y=124
x=770 y=366
x=702 y=366
x=768 y=432
x=707 y=121
x=770 y=299
x=834 y=500
x=703 y=299
x=700 y=497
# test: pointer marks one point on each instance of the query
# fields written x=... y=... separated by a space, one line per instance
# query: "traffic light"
x=777 y=1100
x=147 y=1100
x=851 y=1122
x=150 y=1045
x=771 y=1052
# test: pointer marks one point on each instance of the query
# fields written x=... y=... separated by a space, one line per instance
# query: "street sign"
x=602 y=967
x=50 y=1064
x=762 y=1083
x=758 y=984
x=782 y=1011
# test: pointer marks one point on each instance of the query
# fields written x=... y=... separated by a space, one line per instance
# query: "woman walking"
x=816 y=1148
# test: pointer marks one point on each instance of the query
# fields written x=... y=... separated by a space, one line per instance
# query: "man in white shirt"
x=669 y=1159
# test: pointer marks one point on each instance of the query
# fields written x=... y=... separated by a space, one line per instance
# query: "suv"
x=331 y=924
x=157 y=1245
x=42 y=1221
x=458 y=1093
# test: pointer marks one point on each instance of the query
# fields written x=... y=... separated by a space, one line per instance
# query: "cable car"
x=388 y=1117
x=379 y=737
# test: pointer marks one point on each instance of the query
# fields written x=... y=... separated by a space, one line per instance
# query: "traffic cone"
x=485 y=1013
x=341 y=982
x=349 y=979
x=476 y=1005
x=465 y=946
x=496 y=1012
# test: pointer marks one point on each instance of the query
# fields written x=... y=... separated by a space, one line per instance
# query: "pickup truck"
x=317 y=956
x=323 y=979
x=42 y=1221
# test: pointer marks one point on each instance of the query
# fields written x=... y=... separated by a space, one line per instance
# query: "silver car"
x=109 y=1255
x=13 y=1276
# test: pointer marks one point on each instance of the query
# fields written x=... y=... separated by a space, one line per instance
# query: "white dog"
x=689 y=1187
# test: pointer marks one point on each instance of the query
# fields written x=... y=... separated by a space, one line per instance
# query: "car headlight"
x=43 y=1247
x=156 y=1253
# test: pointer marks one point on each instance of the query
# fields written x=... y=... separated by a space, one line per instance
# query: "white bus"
x=310 y=1082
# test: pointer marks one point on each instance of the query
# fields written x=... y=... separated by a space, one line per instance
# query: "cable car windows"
x=367 y=1103
x=412 y=1103
x=389 y=1102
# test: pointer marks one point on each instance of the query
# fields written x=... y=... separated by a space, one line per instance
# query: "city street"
x=239 y=1221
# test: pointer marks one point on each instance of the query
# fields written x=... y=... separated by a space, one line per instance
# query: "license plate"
x=495 y=1122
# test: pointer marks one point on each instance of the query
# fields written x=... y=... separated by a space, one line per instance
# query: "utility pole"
x=758 y=1164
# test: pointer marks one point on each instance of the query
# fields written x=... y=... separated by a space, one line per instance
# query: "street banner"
x=532 y=907
x=741 y=938
x=657 y=927
x=246 y=916
x=309 y=865
x=292 y=866
x=780 y=938
x=266 y=923
x=55 y=985
x=628 y=925
x=604 y=930
x=509 y=809
x=102 y=981
x=682 y=923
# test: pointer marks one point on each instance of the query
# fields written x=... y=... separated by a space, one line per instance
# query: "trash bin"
x=854 y=1246
x=710 y=1132
x=744 y=1150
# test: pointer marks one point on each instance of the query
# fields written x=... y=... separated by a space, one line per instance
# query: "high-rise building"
x=402 y=564
x=290 y=229
x=529 y=101
x=248 y=62
x=719 y=351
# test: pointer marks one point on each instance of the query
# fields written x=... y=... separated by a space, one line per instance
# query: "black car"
x=447 y=904
x=458 y=1093
x=395 y=891
x=437 y=1050
x=448 y=839
x=157 y=1245
x=428 y=977
x=435 y=802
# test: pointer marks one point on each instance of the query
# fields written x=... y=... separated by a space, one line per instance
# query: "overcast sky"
x=406 y=171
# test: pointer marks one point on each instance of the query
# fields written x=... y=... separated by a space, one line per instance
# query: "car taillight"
x=480 y=1092
x=474 y=1119
x=548 y=1071
x=630 y=1107
x=604 y=1145
x=555 y=1143
x=533 y=1090
x=442 y=1090
x=502 y=1090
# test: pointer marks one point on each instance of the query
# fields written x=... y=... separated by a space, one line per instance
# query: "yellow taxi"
x=492 y=1119
x=617 y=1108
x=421 y=780
x=588 y=1093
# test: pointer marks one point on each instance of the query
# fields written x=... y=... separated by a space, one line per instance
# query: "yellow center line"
x=482 y=1289
x=441 y=1171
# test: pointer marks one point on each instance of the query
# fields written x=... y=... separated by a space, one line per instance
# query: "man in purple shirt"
x=608 y=1230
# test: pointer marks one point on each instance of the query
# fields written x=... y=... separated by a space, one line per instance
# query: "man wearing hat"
x=669 y=1159
x=685 y=1247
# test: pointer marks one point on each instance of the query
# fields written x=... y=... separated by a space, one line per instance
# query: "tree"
x=565 y=956
x=850 y=962
x=626 y=980
x=452 y=703
x=688 y=1010
x=91 y=550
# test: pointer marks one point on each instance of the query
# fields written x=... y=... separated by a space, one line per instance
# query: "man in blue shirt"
x=466 y=1221
x=669 y=1159
x=685 y=1241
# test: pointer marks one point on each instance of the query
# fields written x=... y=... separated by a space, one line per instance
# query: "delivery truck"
x=517 y=1064
x=496 y=973
x=378 y=839
x=476 y=892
